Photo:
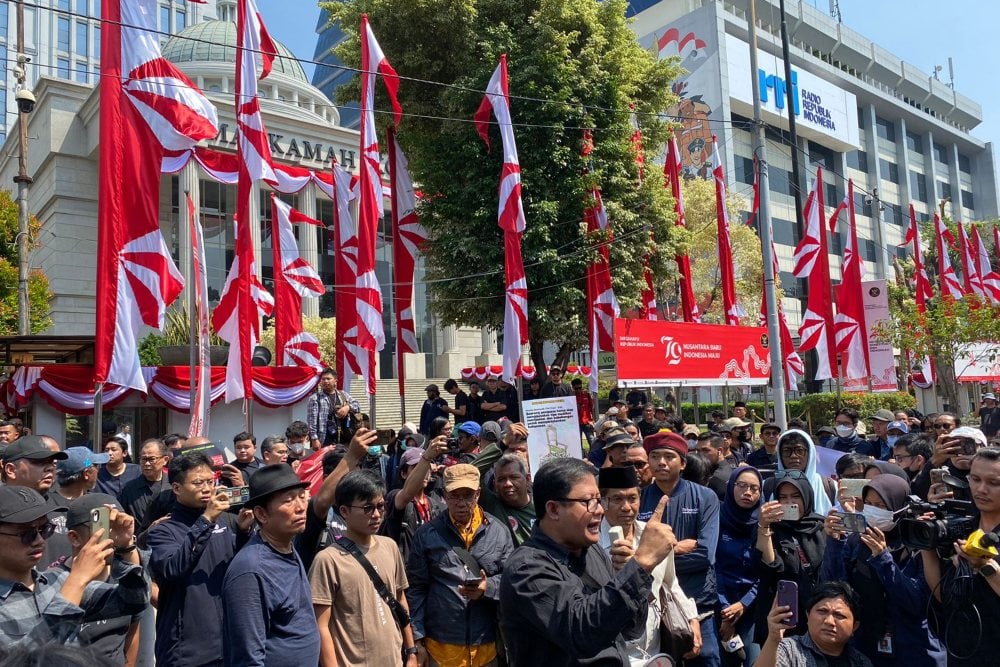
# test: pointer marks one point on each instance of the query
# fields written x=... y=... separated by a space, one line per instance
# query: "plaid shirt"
x=318 y=410
x=43 y=616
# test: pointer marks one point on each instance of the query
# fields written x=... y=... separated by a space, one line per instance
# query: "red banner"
x=651 y=353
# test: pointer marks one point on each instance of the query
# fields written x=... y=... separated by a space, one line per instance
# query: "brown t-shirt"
x=363 y=628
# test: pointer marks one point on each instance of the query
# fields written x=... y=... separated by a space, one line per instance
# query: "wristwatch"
x=407 y=652
x=989 y=570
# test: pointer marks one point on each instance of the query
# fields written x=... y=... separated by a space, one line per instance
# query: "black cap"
x=432 y=387
x=270 y=480
x=770 y=425
x=20 y=504
x=80 y=509
x=617 y=478
x=31 y=447
x=619 y=439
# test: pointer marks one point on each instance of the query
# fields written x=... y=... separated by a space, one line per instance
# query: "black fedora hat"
x=270 y=480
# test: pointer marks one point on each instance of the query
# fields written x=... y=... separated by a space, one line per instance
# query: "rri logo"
x=673 y=350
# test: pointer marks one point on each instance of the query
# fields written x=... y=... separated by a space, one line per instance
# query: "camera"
x=453 y=449
x=953 y=520
x=25 y=100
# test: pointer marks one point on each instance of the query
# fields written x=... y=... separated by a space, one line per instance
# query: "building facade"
x=902 y=135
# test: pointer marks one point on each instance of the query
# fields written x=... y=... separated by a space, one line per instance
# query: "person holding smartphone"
x=790 y=545
x=954 y=450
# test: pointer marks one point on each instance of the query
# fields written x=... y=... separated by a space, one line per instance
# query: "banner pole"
x=95 y=428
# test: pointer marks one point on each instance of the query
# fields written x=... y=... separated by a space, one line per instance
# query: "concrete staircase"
x=387 y=399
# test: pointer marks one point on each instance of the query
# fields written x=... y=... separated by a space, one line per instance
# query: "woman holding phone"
x=790 y=544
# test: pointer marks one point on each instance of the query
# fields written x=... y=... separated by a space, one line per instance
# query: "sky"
x=917 y=31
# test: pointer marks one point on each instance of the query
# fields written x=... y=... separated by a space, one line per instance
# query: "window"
x=82 y=39
x=64 y=5
x=869 y=250
x=789 y=284
x=164 y=18
x=836 y=243
x=885 y=129
x=3 y=18
x=967 y=200
x=784 y=231
x=944 y=190
x=830 y=193
x=180 y=20
x=940 y=153
x=780 y=181
x=918 y=186
x=889 y=171
x=82 y=72
x=915 y=142
x=861 y=118
x=858 y=160
x=81 y=7
x=820 y=155
x=62 y=68
x=97 y=41
x=963 y=164
x=861 y=207
x=62 y=34
x=893 y=213
x=744 y=169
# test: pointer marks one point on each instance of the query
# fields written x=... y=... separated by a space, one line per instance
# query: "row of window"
x=63 y=28
x=84 y=7
x=78 y=72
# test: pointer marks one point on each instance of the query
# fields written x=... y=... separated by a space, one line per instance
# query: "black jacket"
x=557 y=609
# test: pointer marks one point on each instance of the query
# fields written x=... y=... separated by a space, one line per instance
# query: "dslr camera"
x=953 y=520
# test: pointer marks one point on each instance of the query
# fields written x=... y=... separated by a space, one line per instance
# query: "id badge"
x=885 y=644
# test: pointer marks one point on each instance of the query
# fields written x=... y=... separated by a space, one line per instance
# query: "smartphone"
x=237 y=494
x=471 y=583
x=937 y=475
x=616 y=533
x=969 y=446
x=853 y=522
x=100 y=519
x=852 y=487
x=790 y=513
x=788 y=596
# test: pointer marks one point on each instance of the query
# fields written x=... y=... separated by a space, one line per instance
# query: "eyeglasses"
x=201 y=483
x=590 y=503
x=752 y=488
x=29 y=536
x=794 y=451
x=370 y=508
x=149 y=459
x=790 y=474
x=942 y=427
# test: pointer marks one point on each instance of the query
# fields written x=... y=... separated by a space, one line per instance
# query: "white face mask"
x=891 y=440
x=879 y=518
x=844 y=431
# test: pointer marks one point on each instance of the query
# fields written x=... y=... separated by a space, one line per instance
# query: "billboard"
x=880 y=356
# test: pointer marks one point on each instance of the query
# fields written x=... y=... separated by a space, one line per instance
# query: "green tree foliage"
x=39 y=295
x=574 y=65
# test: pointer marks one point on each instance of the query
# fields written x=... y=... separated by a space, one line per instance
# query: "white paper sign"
x=553 y=430
x=883 y=363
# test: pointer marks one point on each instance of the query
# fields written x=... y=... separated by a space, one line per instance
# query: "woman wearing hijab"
x=797 y=460
x=788 y=549
x=735 y=571
x=889 y=578
x=875 y=468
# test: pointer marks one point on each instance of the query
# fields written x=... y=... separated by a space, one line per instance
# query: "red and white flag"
x=510 y=217
x=971 y=279
x=351 y=359
x=147 y=107
x=648 y=309
x=793 y=365
x=950 y=286
x=672 y=173
x=203 y=372
x=640 y=155
x=368 y=297
x=408 y=238
x=294 y=280
x=602 y=305
x=849 y=324
x=922 y=282
x=990 y=278
x=726 y=268
x=812 y=262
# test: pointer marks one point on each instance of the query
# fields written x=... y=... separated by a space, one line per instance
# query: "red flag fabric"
x=294 y=279
x=672 y=174
x=922 y=281
x=971 y=278
x=849 y=324
x=408 y=238
x=640 y=155
x=203 y=371
x=648 y=309
x=148 y=107
x=950 y=287
x=990 y=279
x=602 y=301
x=812 y=261
x=510 y=217
x=731 y=309
x=368 y=297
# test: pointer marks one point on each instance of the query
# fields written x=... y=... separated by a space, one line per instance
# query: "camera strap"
x=398 y=612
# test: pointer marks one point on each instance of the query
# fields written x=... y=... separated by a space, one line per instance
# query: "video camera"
x=953 y=520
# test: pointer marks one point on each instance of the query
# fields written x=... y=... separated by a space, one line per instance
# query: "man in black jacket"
x=560 y=602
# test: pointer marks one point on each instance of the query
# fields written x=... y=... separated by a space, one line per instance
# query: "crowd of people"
x=722 y=544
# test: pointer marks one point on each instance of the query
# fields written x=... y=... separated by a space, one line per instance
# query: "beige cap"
x=461 y=476
x=735 y=422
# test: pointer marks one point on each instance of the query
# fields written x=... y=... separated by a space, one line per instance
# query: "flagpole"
x=95 y=428
x=194 y=332
x=766 y=232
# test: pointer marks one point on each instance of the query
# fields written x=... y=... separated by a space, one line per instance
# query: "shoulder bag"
x=398 y=612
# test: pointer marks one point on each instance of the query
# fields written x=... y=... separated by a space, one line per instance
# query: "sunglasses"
x=29 y=536
x=370 y=508
x=942 y=427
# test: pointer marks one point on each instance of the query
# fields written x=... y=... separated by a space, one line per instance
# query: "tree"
x=39 y=295
x=574 y=65
x=703 y=243
x=948 y=324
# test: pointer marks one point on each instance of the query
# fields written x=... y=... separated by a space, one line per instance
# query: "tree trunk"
x=947 y=383
x=535 y=349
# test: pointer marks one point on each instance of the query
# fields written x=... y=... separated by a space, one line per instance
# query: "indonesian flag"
x=368 y=297
x=648 y=310
x=351 y=359
x=972 y=280
x=238 y=322
x=510 y=217
x=922 y=282
x=950 y=287
x=203 y=371
x=793 y=366
x=672 y=173
x=408 y=238
x=148 y=107
x=726 y=268
x=849 y=324
x=812 y=262
x=991 y=280
x=602 y=300
x=294 y=279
